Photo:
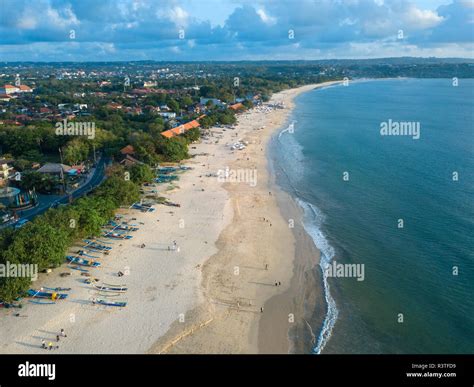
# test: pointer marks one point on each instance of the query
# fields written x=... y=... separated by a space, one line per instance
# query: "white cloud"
x=267 y=19
x=421 y=19
x=177 y=15
x=67 y=19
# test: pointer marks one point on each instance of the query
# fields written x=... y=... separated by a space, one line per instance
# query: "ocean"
x=384 y=171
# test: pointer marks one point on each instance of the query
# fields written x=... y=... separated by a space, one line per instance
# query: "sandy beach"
x=238 y=283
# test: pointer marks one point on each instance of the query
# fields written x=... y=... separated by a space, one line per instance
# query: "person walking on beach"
x=50 y=345
x=57 y=338
x=261 y=309
x=43 y=344
x=62 y=333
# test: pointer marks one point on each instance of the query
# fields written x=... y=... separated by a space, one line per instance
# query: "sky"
x=128 y=30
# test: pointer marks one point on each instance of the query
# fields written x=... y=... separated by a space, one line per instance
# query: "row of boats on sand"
x=86 y=258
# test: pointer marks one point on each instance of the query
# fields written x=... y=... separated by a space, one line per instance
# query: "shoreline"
x=206 y=297
x=220 y=325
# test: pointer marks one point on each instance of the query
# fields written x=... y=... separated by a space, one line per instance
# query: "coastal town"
x=69 y=138
x=117 y=184
x=94 y=165
x=188 y=188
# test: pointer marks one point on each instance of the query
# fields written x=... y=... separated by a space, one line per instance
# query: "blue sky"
x=97 y=30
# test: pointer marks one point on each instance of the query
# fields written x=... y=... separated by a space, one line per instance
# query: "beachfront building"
x=8 y=89
x=55 y=169
x=24 y=89
x=181 y=129
x=128 y=156
x=5 y=171
x=128 y=161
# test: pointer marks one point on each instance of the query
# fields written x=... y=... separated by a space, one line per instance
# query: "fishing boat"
x=143 y=207
x=82 y=261
x=116 y=235
x=122 y=227
x=97 y=245
x=165 y=178
x=58 y=289
x=94 y=250
x=101 y=301
x=125 y=227
x=105 y=243
x=82 y=252
x=115 y=286
x=50 y=295
x=103 y=288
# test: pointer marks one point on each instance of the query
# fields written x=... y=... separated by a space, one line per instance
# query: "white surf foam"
x=312 y=222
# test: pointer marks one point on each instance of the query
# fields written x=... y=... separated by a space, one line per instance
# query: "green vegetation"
x=45 y=240
x=41 y=182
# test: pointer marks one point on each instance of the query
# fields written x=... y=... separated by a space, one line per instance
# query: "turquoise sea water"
x=408 y=272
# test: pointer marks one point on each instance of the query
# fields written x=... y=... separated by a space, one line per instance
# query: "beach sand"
x=206 y=297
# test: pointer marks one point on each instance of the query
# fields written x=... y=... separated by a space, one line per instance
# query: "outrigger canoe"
x=120 y=289
x=97 y=245
x=121 y=227
x=50 y=295
x=82 y=261
x=58 y=289
x=120 y=304
x=117 y=235
x=82 y=252
x=142 y=207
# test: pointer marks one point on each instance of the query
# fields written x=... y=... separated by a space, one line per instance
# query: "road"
x=48 y=201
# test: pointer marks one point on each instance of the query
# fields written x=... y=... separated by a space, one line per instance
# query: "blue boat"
x=116 y=235
x=50 y=295
x=167 y=169
x=96 y=245
x=82 y=252
x=58 y=289
x=167 y=177
x=82 y=261
x=142 y=207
